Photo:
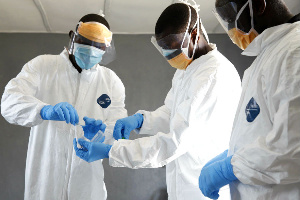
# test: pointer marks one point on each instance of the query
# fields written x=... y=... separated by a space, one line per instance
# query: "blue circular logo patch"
x=252 y=110
x=104 y=101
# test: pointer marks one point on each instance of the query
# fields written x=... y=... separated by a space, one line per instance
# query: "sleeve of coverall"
x=116 y=109
x=158 y=120
x=19 y=104
x=275 y=159
x=162 y=148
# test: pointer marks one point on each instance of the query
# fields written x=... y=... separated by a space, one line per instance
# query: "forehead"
x=167 y=31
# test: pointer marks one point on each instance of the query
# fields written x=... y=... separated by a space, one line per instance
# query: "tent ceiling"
x=124 y=16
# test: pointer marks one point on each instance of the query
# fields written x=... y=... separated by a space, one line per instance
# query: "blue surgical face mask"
x=87 y=56
x=167 y=52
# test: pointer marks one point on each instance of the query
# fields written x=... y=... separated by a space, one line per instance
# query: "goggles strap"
x=240 y=12
x=251 y=13
x=196 y=7
x=198 y=34
x=187 y=28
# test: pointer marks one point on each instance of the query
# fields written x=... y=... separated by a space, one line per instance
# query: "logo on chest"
x=104 y=101
x=252 y=110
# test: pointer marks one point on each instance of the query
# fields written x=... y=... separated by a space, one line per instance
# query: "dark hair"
x=175 y=19
x=95 y=18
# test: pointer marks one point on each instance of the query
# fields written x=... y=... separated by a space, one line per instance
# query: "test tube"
x=98 y=137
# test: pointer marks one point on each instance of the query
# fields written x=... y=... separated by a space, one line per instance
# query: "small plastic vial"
x=98 y=137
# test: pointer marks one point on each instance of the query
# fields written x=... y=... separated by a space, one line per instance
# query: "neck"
x=271 y=18
x=202 y=49
x=72 y=59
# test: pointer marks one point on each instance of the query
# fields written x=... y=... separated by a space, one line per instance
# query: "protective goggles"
x=82 y=40
x=232 y=16
x=95 y=35
x=172 y=45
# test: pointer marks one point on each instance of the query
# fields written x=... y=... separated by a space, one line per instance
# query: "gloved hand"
x=217 y=158
x=60 y=112
x=91 y=151
x=124 y=126
x=215 y=176
x=92 y=126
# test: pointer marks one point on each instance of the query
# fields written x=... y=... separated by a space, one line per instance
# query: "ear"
x=194 y=35
x=71 y=34
x=259 y=7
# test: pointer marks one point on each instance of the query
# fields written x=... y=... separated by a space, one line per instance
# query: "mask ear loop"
x=251 y=13
x=239 y=14
x=198 y=33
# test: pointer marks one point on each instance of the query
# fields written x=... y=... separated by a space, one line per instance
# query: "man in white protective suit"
x=196 y=120
x=264 y=154
x=51 y=95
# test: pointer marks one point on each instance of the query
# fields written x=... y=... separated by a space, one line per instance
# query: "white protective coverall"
x=266 y=151
x=53 y=171
x=193 y=126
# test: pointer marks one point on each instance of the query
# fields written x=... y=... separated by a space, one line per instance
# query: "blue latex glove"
x=92 y=127
x=124 y=126
x=215 y=176
x=217 y=158
x=91 y=151
x=60 y=112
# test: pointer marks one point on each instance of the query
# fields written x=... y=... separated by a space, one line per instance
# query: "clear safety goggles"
x=108 y=56
x=232 y=16
x=82 y=40
x=172 y=45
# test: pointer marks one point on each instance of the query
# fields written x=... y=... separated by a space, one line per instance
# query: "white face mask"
x=87 y=56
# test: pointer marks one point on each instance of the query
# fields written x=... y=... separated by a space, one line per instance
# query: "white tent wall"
x=124 y=16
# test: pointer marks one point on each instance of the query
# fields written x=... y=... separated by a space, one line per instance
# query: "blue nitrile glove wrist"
x=124 y=126
x=217 y=158
x=91 y=151
x=215 y=176
x=44 y=112
x=140 y=119
x=108 y=148
x=60 y=112
x=228 y=172
x=92 y=127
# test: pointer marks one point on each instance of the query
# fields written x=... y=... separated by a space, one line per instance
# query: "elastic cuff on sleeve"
x=108 y=148
x=230 y=173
